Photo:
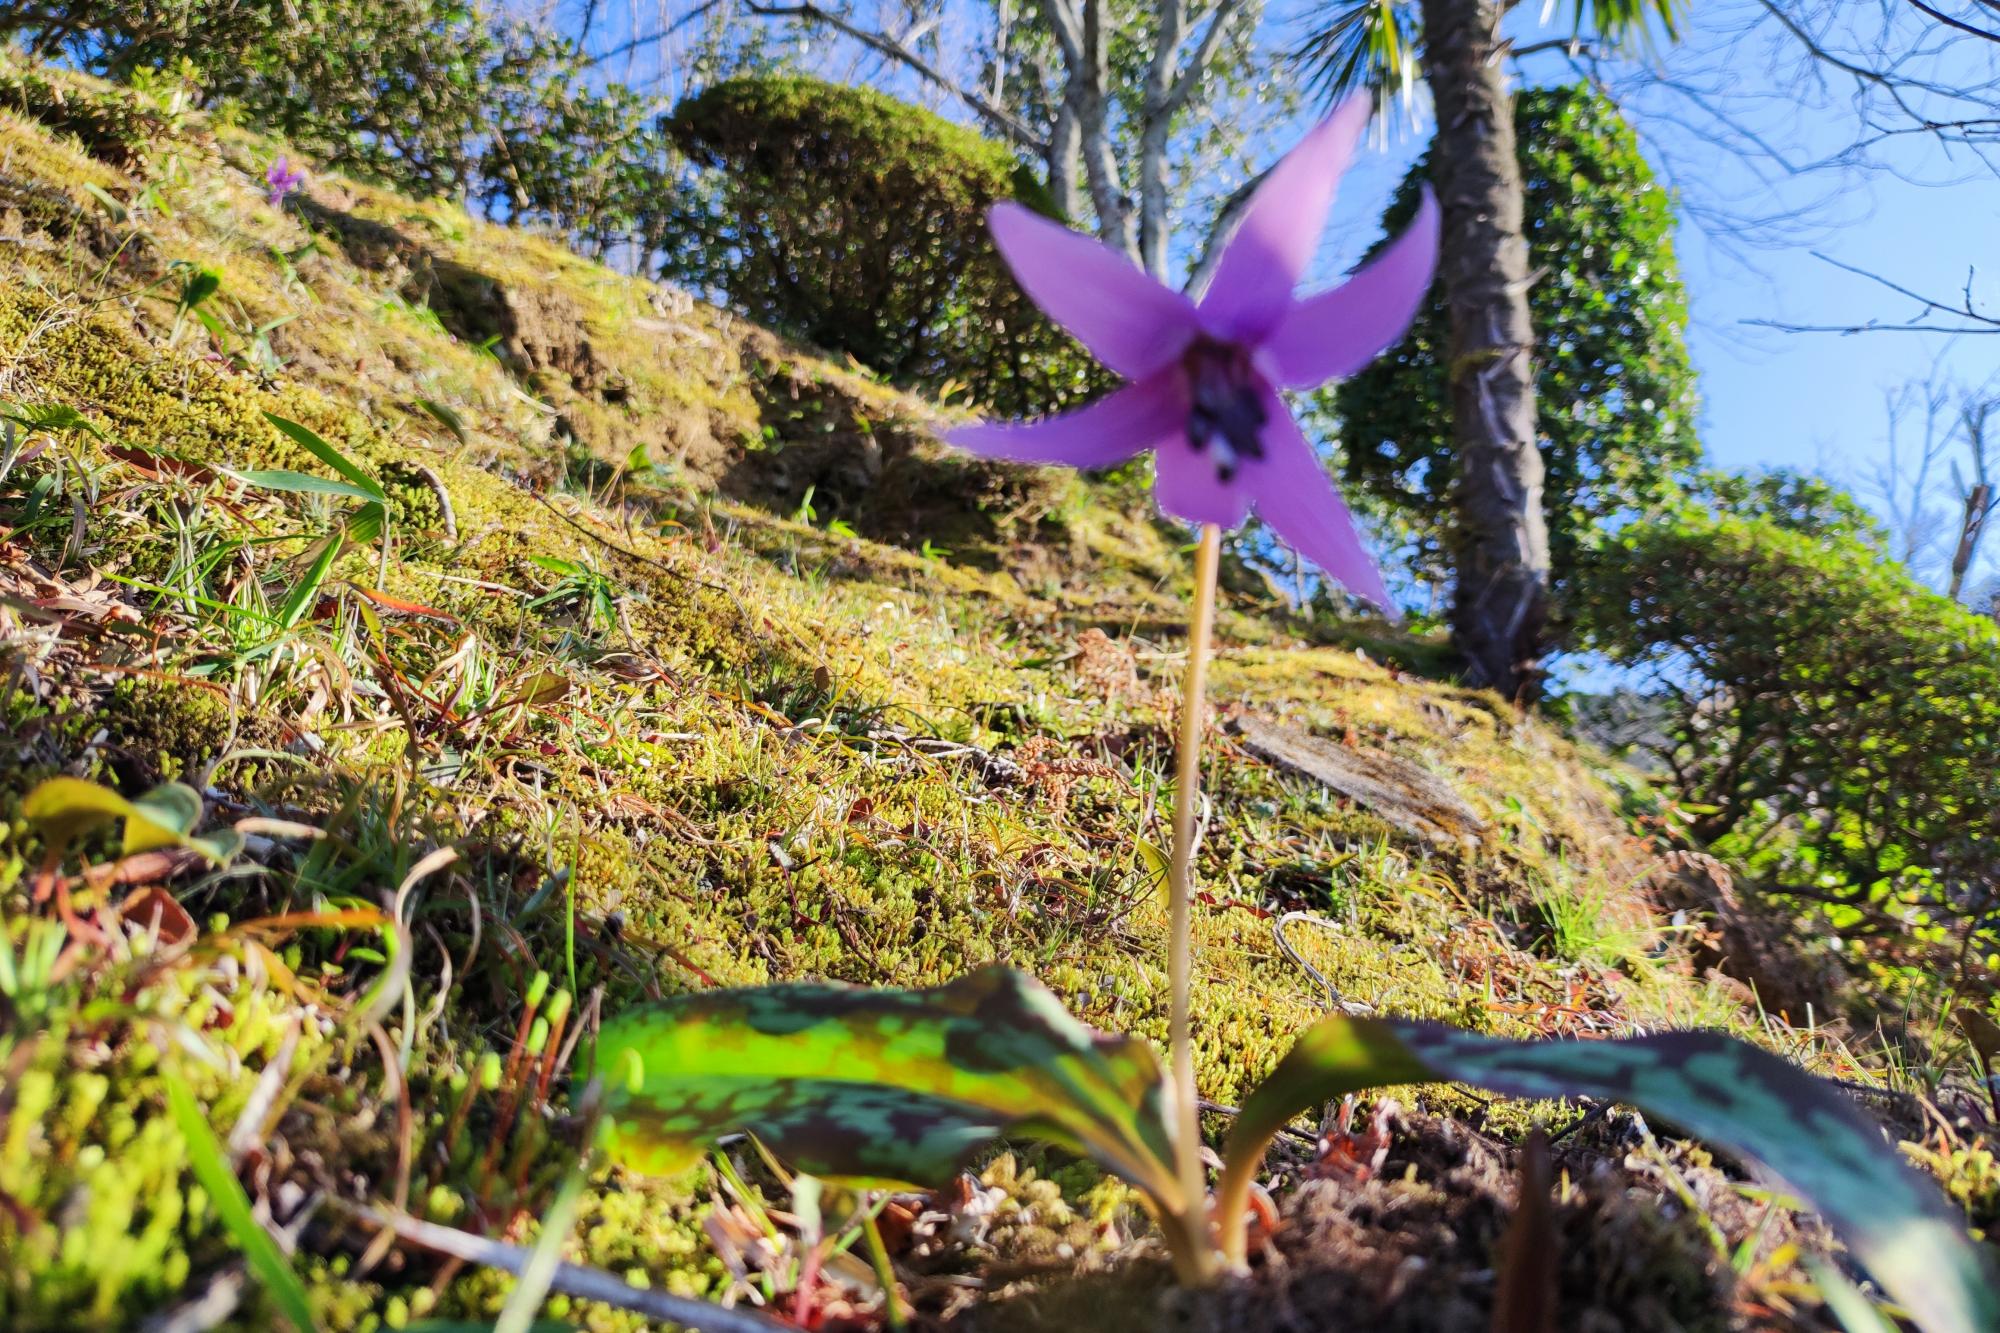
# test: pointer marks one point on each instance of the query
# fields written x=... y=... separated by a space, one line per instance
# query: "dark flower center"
x=1226 y=415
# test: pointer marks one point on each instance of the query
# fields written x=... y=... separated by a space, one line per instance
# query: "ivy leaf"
x=1731 y=1094
x=881 y=1086
x=67 y=808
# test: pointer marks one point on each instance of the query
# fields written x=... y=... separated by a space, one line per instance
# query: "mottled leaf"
x=1744 y=1100
x=881 y=1085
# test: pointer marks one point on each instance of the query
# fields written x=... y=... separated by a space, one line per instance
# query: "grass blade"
x=532 y=1286
x=327 y=454
x=232 y=1205
x=307 y=593
x=300 y=483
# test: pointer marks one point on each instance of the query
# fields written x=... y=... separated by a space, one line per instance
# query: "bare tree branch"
x=1204 y=53
x=1011 y=126
x=1975 y=320
x=1958 y=23
x=1977 y=498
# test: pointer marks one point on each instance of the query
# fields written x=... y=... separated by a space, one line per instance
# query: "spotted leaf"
x=881 y=1086
x=1744 y=1100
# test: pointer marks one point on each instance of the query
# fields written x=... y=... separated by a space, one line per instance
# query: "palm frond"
x=1622 y=23
x=1369 y=44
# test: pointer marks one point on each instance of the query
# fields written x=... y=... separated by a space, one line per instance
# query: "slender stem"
x=1180 y=878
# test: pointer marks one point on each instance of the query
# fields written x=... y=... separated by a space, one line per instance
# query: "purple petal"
x=1186 y=485
x=1110 y=430
x=1295 y=496
x=1263 y=260
x=1341 y=330
x=1128 y=321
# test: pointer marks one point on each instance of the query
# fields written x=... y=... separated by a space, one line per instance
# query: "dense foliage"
x=857 y=222
x=1615 y=387
x=433 y=96
x=1796 y=501
x=1833 y=721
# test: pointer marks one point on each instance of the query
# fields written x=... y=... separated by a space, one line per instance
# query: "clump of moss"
x=154 y=732
x=1970 y=1174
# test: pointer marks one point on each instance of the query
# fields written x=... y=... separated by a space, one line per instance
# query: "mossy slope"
x=710 y=663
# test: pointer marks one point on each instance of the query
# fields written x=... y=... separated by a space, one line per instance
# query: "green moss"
x=165 y=732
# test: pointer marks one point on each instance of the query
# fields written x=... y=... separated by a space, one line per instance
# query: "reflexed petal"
x=1339 y=331
x=1110 y=430
x=1128 y=321
x=1263 y=260
x=1294 y=495
x=1185 y=484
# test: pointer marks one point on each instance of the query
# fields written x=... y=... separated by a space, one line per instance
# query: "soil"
x=1418 y=1247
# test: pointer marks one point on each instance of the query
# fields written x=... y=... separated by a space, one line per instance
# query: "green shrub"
x=115 y=128
x=392 y=88
x=1796 y=501
x=1613 y=382
x=857 y=222
x=432 y=96
x=1834 y=721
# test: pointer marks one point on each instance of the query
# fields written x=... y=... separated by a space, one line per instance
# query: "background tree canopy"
x=858 y=223
x=1615 y=387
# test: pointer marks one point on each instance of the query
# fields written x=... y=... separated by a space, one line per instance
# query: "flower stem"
x=1180 y=878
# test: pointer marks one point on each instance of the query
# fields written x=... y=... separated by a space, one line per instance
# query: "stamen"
x=1226 y=408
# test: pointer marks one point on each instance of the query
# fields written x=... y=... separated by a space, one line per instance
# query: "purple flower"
x=1205 y=379
x=283 y=181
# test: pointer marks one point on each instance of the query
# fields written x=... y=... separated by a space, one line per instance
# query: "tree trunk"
x=1090 y=95
x=1064 y=158
x=1500 y=599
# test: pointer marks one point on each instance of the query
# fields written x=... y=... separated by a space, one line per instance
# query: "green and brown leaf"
x=881 y=1085
x=1731 y=1094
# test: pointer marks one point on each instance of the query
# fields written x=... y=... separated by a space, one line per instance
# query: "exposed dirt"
x=1417 y=1247
x=1754 y=945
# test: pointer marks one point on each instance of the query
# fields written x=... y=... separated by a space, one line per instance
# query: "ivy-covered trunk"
x=1501 y=564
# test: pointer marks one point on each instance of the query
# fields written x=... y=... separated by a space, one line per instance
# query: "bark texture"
x=1500 y=601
